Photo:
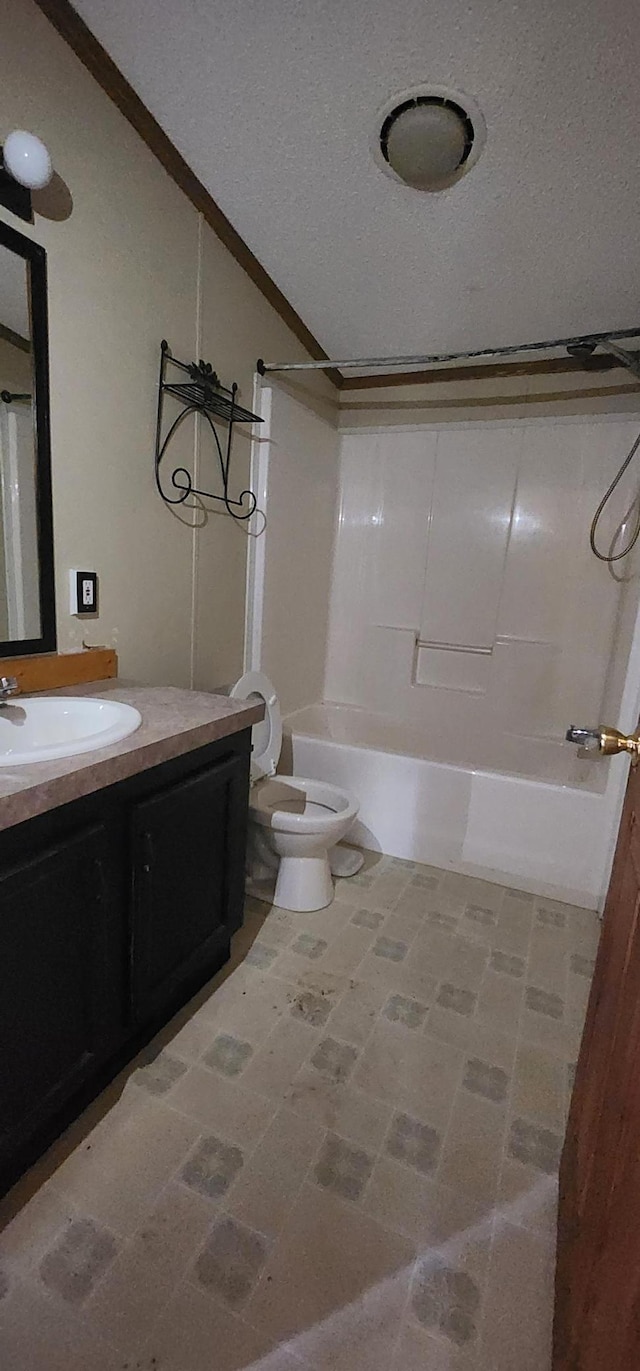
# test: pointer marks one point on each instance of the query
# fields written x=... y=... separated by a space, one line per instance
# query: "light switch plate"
x=83 y=592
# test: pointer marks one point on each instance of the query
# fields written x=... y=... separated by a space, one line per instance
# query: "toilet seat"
x=266 y=737
x=324 y=803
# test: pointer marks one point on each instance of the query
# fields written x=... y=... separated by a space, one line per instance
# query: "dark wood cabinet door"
x=188 y=870
x=59 y=984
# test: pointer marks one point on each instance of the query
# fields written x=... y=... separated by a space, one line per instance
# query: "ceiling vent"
x=429 y=137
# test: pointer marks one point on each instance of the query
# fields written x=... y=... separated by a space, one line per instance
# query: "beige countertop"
x=173 y=722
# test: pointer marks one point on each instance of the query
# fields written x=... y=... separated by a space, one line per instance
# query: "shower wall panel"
x=464 y=593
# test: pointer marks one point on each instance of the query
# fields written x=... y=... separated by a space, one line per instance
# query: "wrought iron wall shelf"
x=201 y=394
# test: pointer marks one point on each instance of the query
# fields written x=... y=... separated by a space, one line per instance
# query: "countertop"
x=173 y=722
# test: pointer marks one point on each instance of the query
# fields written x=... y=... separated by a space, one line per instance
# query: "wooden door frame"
x=627 y=720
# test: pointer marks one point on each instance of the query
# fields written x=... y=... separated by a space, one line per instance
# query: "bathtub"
x=527 y=813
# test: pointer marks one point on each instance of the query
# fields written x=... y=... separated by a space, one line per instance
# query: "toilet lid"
x=266 y=737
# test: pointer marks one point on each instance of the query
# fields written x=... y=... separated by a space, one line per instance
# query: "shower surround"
x=469 y=625
x=466 y=603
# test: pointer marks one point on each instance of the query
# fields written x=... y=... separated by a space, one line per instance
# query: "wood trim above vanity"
x=52 y=670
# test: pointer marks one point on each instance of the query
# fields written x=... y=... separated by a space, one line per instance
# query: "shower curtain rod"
x=586 y=341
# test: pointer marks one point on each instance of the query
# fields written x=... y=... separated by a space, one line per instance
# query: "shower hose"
x=612 y=556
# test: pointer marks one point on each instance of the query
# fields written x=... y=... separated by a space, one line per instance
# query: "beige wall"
x=133 y=263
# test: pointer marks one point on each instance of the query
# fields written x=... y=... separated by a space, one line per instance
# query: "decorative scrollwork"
x=202 y=394
x=203 y=373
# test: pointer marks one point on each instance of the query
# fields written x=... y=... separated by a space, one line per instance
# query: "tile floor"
x=342 y=1155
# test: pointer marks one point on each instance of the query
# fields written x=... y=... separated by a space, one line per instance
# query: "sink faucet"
x=8 y=687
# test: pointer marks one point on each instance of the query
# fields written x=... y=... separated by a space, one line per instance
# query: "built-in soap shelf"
x=454 y=647
x=204 y=394
x=449 y=666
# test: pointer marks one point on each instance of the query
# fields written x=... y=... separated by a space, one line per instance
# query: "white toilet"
x=295 y=840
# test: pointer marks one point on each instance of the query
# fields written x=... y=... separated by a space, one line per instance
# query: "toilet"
x=294 y=823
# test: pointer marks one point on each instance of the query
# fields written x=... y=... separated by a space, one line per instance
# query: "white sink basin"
x=39 y=730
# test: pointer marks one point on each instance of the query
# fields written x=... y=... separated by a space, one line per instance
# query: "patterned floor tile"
x=367 y=918
x=160 y=1074
x=507 y=963
x=484 y=1079
x=77 y=1260
x=261 y=955
x=582 y=966
x=477 y=914
x=343 y=1168
x=415 y=1143
x=231 y=1260
x=308 y=946
x=440 y=918
x=544 y=1002
x=548 y=917
x=212 y=1167
x=228 y=1054
x=314 y=1009
x=391 y=948
x=537 y=1146
x=402 y=1009
x=334 y=1059
x=447 y=1299
x=454 y=997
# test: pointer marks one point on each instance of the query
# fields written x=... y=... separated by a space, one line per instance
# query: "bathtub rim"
x=492 y=772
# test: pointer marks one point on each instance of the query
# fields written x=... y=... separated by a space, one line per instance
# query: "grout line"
x=276 y=1238
x=518 y=1043
x=206 y=1130
x=466 y=1052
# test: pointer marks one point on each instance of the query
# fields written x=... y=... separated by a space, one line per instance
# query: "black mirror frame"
x=36 y=257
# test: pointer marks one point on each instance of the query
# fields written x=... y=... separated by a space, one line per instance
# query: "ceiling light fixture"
x=25 y=166
x=429 y=137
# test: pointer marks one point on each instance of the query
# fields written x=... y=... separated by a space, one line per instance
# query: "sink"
x=39 y=730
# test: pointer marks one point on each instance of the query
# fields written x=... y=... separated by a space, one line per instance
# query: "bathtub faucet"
x=606 y=741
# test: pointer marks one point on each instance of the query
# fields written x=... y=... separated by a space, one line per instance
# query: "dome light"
x=429 y=137
x=27 y=160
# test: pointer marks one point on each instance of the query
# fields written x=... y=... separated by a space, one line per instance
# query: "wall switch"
x=83 y=592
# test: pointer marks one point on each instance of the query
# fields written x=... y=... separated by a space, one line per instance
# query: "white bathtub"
x=548 y=831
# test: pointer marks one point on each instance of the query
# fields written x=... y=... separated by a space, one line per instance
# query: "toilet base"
x=345 y=861
x=304 y=884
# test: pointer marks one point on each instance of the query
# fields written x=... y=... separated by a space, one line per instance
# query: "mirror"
x=27 y=596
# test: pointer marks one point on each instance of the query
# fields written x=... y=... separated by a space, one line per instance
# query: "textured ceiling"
x=273 y=103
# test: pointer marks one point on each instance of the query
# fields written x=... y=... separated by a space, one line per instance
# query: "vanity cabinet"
x=182 y=909
x=114 y=909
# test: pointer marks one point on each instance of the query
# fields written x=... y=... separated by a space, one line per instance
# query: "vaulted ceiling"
x=274 y=104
